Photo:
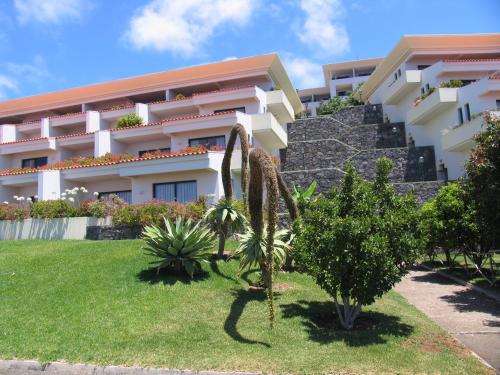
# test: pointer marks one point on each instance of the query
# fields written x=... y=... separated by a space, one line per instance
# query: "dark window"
x=399 y=72
x=342 y=93
x=422 y=67
x=395 y=76
x=181 y=192
x=422 y=90
x=237 y=109
x=467 y=112
x=34 y=162
x=125 y=195
x=165 y=150
x=498 y=104
x=460 y=116
x=427 y=87
x=208 y=142
x=306 y=99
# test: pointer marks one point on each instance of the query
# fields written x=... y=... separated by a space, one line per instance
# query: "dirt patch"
x=436 y=344
x=281 y=286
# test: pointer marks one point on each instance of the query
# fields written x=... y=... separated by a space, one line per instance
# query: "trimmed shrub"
x=100 y=208
x=13 y=211
x=151 y=213
x=52 y=209
x=359 y=241
x=129 y=120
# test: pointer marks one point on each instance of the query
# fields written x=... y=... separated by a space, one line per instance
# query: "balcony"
x=268 y=132
x=113 y=114
x=207 y=160
x=440 y=100
x=30 y=129
x=76 y=141
x=28 y=145
x=68 y=119
x=401 y=87
x=279 y=106
x=461 y=138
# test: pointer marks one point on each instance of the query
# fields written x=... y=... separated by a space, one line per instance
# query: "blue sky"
x=46 y=45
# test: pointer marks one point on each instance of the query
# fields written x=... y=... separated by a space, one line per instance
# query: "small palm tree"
x=183 y=245
x=227 y=215
x=253 y=250
x=303 y=197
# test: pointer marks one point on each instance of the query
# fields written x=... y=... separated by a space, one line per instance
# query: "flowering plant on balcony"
x=420 y=99
x=452 y=83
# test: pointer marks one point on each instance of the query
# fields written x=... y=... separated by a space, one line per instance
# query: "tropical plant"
x=332 y=106
x=252 y=249
x=182 y=246
x=359 y=240
x=303 y=197
x=452 y=83
x=132 y=119
x=226 y=216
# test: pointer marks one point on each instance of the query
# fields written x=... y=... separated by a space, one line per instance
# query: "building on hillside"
x=439 y=85
x=340 y=80
x=174 y=155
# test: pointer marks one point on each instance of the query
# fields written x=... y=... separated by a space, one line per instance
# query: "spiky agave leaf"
x=253 y=248
x=181 y=242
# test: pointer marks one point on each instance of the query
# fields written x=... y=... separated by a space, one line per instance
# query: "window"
x=467 y=112
x=399 y=72
x=34 y=162
x=181 y=192
x=342 y=93
x=124 y=195
x=427 y=87
x=395 y=76
x=422 y=67
x=422 y=90
x=208 y=142
x=460 y=116
x=237 y=109
x=498 y=104
x=165 y=150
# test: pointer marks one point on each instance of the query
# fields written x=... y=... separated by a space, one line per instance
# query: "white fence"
x=72 y=228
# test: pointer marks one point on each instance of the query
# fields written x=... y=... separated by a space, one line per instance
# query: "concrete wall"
x=74 y=228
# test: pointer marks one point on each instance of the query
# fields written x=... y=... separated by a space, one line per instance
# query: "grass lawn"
x=458 y=270
x=97 y=302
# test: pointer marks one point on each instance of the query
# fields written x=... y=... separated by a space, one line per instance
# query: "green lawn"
x=470 y=274
x=97 y=302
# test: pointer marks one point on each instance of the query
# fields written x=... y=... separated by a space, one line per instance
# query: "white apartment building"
x=340 y=80
x=413 y=81
x=181 y=110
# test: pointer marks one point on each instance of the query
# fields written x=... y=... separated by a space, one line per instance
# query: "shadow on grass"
x=169 y=277
x=321 y=323
x=241 y=298
x=214 y=266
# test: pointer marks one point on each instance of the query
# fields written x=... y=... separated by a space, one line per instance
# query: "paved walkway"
x=469 y=316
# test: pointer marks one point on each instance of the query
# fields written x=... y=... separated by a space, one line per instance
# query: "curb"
x=475 y=288
x=59 y=368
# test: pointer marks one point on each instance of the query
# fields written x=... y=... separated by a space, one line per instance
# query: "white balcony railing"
x=440 y=100
x=399 y=88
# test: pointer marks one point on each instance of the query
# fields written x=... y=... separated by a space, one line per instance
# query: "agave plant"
x=252 y=249
x=226 y=215
x=303 y=197
x=183 y=245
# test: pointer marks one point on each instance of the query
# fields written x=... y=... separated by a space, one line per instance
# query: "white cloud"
x=49 y=11
x=31 y=72
x=183 y=26
x=16 y=75
x=322 y=29
x=7 y=84
x=303 y=72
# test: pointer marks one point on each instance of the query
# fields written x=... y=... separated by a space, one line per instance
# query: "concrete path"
x=57 y=368
x=469 y=316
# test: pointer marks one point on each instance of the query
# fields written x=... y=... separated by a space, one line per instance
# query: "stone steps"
x=319 y=147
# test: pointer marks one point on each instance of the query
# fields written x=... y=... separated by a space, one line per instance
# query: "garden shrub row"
x=147 y=213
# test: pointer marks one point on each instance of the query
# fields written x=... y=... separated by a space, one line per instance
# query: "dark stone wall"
x=319 y=147
x=112 y=233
